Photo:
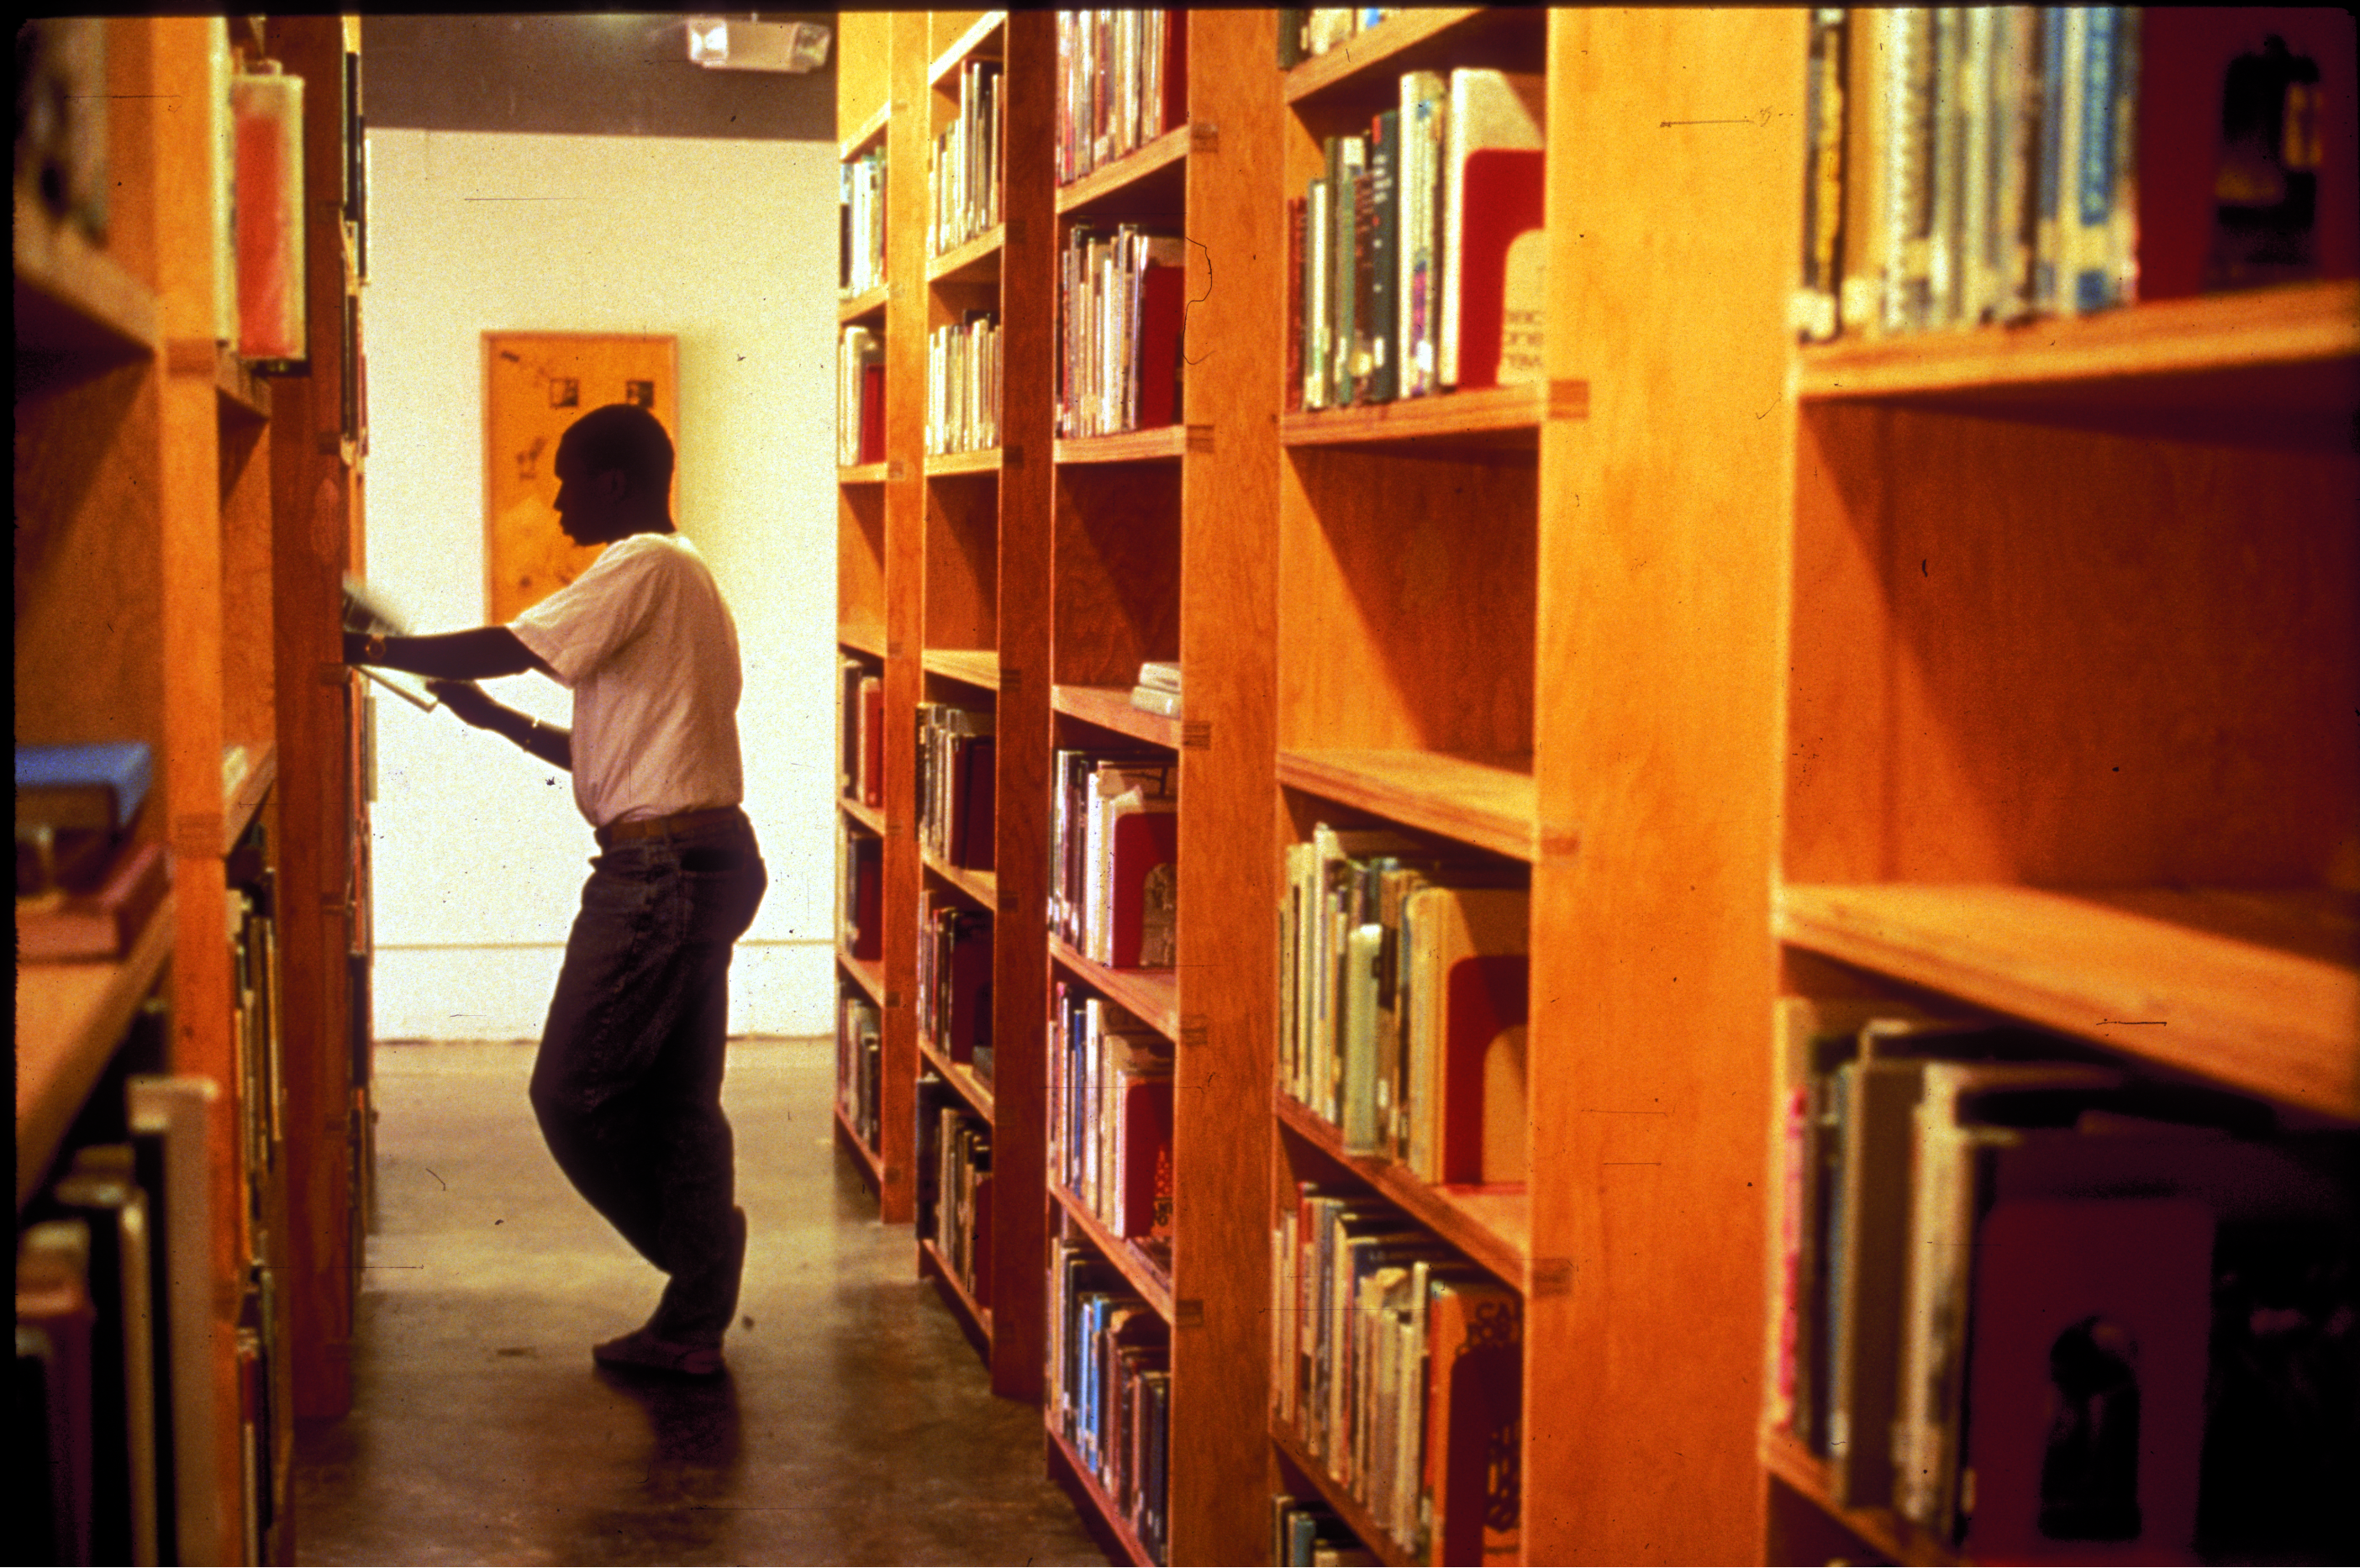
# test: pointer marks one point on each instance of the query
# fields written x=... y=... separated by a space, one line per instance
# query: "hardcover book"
x=1494 y=255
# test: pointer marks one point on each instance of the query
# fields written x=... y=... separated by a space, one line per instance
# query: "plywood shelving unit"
x=182 y=523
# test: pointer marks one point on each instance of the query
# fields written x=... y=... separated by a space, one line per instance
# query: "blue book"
x=97 y=786
x=2094 y=161
x=2048 y=181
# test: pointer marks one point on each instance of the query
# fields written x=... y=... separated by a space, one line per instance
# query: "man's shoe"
x=640 y=1351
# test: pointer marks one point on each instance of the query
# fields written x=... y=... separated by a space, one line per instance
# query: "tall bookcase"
x=182 y=524
x=1827 y=673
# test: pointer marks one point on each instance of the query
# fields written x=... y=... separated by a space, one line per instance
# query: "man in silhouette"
x=628 y=1082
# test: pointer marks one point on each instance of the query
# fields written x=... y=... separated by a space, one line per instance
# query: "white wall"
x=731 y=246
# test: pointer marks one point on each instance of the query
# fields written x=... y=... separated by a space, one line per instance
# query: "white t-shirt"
x=645 y=643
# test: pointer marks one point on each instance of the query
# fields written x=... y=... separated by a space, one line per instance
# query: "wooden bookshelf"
x=1164 y=444
x=976 y=667
x=865 y=639
x=867 y=816
x=865 y=972
x=1152 y=994
x=972 y=261
x=865 y=134
x=864 y=1159
x=177 y=585
x=945 y=464
x=973 y=1315
x=1152 y=1283
x=1339 y=1498
x=1506 y=419
x=69 y=1017
x=867 y=306
x=2259 y=992
x=1064 y=1461
x=1492 y=1226
x=1491 y=805
x=981 y=888
x=1795 y=1467
x=1147 y=180
x=1110 y=708
x=959 y=1076
x=862 y=474
x=980 y=39
x=1416 y=40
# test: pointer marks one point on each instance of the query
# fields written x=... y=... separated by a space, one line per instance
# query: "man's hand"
x=468 y=703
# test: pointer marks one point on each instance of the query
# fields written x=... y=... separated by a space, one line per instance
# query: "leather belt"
x=613 y=833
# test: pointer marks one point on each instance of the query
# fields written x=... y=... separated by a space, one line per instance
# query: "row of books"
x=1309 y=33
x=963 y=384
x=1116 y=837
x=1120 y=306
x=1417 y=257
x=1309 y=1535
x=2049 y=1309
x=859 y=398
x=1123 y=81
x=860 y=894
x=860 y=717
x=955 y=1186
x=859 y=1041
x=955 y=980
x=1399 y=1366
x=85 y=884
x=1404 y=979
x=1109 y=1093
x=255 y=1032
x=1972 y=165
x=956 y=786
x=116 y=1404
x=861 y=224
x=1110 y=1386
x=962 y=191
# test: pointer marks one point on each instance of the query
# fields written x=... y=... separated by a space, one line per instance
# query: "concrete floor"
x=855 y=1424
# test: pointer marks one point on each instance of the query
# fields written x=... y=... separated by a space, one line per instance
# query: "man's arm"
x=478 y=655
x=469 y=702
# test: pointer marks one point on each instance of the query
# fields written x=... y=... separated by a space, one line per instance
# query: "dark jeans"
x=627 y=1084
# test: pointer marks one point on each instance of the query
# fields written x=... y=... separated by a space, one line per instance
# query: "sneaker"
x=640 y=1351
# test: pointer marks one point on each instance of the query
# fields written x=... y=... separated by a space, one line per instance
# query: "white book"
x=1425 y=113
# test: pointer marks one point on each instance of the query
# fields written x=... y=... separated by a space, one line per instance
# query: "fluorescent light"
x=719 y=43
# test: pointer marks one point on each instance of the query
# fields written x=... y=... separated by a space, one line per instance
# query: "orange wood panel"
x=1673 y=165
x=864 y=46
x=249 y=582
x=860 y=556
x=535 y=386
x=1118 y=571
x=1229 y=867
x=962 y=562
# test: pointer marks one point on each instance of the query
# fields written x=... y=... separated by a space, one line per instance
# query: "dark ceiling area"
x=602 y=73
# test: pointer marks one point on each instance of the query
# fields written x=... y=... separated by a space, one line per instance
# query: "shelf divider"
x=1152 y=994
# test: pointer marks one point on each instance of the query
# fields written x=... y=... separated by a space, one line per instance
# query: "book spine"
x=2091 y=282
x=1813 y=317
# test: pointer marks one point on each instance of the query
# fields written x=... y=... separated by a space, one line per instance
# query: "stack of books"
x=1417 y=257
x=85 y=884
x=1123 y=81
x=1398 y=1365
x=963 y=394
x=1117 y=841
x=1110 y=1386
x=1121 y=301
x=860 y=213
x=963 y=190
x=956 y=786
x=1158 y=691
x=1403 y=1001
x=955 y=980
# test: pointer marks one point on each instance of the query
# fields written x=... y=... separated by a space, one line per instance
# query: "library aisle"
x=854 y=1426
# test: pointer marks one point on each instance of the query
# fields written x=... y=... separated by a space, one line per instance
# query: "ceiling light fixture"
x=723 y=43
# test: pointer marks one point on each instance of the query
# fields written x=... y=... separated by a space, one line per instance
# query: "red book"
x=100 y=924
x=978 y=791
x=872 y=742
x=1147 y=1157
x=1297 y=210
x=872 y=413
x=2092 y=1321
x=1474 y=1404
x=970 y=989
x=1162 y=307
x=869 y=899
x=1175 y=69
x=1147 y=848
x=1504 y=201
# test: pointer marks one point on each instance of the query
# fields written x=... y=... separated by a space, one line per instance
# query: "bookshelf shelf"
x=866 y=134
x=2294 y=346
x=1166 y=443
x=864 y=473
x=72 y=296
x=2258 y=991
x=1148 y=180
x=1492 y=1226
x=244 y=790
x=1109 y=708
x=1796 y=1467
x=1126 y=1540
x=959 y=1076
x=872 y=1168
x=971 y=1312
x=985 y=39
x=981 y=887
x=1152 y=994
x=1499 y=420
x=951 y=465
x=70 y=1017
x=867 y=816
x=868 y=639
x=1492 y=804
x=868 y=975
x=1367 y=67
x=1154 y=1284
x=1347 y=1508
x=977 y=667
x=862 y=306
x=244 y=395
x=973 y=261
